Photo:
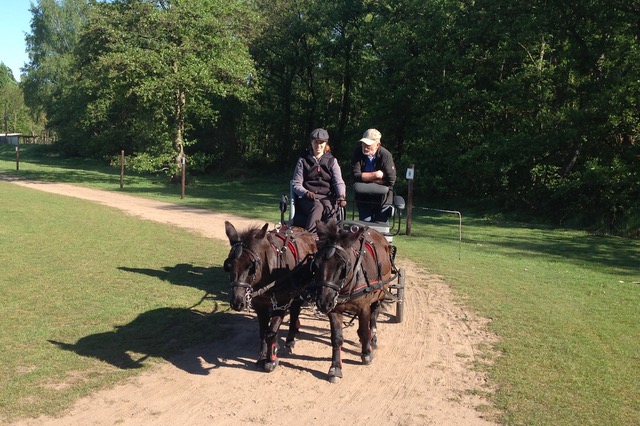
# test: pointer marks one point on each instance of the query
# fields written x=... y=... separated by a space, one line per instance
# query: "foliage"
x=55 y=26
x=6 y=76
x=531 y=106
x=12 y=106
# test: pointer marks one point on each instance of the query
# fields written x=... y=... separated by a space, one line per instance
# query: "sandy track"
x=421 y=374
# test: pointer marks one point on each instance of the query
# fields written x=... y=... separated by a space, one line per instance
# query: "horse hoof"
x=288 y=347
x=335 y=374
x=367 y=359
x=270 y=366
x=261 y=363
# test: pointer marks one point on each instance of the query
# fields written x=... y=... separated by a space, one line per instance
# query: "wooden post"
x=121 y=169
x=410 y=176
x=184 y=168
x=18 y=155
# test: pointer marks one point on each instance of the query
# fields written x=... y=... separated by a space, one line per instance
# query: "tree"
x=18 y=117
x=55 y=26
x=310 y=67
x=151 y=62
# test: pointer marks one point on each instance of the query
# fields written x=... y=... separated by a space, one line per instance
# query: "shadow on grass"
x=168 y=331
x=213 y=281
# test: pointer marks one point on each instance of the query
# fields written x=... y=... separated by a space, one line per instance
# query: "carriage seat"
x=380 y=195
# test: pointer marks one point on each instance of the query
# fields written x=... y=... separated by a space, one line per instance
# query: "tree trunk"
x=178 y=142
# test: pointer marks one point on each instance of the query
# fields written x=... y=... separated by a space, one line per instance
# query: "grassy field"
x=564 y=303
x=89 y=280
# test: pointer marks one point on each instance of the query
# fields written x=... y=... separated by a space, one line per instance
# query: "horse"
x=269 y=272
x=352 y=271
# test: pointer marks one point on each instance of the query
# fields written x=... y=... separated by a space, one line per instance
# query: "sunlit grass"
x=90 y=296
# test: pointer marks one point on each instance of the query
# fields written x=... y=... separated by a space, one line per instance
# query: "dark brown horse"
x=269 y=271
x=353 y=270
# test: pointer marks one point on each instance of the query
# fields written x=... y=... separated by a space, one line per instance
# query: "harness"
x=288 y=244
x=355 y=290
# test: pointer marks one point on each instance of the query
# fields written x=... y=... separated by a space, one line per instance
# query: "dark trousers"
x=314 y=210
x=372 y=213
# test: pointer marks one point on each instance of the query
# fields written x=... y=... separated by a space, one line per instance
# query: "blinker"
x=329 y=252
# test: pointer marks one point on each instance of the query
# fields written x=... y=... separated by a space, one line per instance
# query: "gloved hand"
x=310 y=195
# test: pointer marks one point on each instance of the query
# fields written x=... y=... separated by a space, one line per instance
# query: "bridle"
x=349 y=274
x=238 y=247
x=342 y=270
x=236 y=251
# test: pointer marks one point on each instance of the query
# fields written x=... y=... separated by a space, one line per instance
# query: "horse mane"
x=331 y=234
x=248 y=237
x=328 y=233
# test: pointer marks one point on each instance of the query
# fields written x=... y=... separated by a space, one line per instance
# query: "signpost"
x=410 y=173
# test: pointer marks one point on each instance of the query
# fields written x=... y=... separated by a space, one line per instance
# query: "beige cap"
x=371 y=136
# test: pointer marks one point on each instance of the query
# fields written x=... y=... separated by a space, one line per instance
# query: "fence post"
x=184 y=168
x=410 y=172
x=122 y=169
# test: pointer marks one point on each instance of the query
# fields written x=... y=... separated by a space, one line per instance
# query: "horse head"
x=244 y=262
x=333 y=263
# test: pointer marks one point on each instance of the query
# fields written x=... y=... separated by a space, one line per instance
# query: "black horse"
x=269 y=271
x=353 y=270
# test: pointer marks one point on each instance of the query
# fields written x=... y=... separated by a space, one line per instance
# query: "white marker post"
x=410 y=173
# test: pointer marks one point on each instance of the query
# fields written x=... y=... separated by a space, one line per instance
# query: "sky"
x=15 y=22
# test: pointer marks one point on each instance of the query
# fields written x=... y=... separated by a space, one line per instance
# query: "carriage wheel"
x=400 y=297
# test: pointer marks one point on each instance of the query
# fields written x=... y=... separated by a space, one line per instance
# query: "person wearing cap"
x=372 y=163
x=317 y=182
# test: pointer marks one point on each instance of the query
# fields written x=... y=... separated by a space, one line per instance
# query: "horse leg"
x=337 y=340
x=365 y=334
x=294 y=326
x=373 y=323
x=272 y=341
x=263 y=322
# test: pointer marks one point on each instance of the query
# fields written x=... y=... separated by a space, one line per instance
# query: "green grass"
x=564 y=303
x=82 y=279
x=565 y=306
x=248 y=197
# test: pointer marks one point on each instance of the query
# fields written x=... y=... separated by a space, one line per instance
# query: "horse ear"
x=263 y=232
x=232 y=234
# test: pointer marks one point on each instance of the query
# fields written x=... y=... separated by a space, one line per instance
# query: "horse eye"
x=343 y=274
x=227 y=265
x=315 y=265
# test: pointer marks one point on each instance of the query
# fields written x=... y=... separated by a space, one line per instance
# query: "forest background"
x=527 y=107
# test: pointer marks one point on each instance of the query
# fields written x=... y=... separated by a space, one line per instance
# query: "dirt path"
x=421 y=375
